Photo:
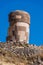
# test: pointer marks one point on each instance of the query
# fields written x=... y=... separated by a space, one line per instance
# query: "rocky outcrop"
x=20 y=54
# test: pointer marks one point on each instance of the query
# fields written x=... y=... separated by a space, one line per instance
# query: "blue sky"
x=35 y=9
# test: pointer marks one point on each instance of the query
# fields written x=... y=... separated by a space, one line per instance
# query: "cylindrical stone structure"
x=19 y=26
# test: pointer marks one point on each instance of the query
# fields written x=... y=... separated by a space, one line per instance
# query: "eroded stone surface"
x=20 y=54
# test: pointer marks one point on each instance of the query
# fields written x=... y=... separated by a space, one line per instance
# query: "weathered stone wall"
x=19 y=26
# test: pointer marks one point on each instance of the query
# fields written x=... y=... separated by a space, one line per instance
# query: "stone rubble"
x=33 y=54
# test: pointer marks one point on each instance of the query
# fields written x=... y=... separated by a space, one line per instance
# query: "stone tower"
x=19 y=26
